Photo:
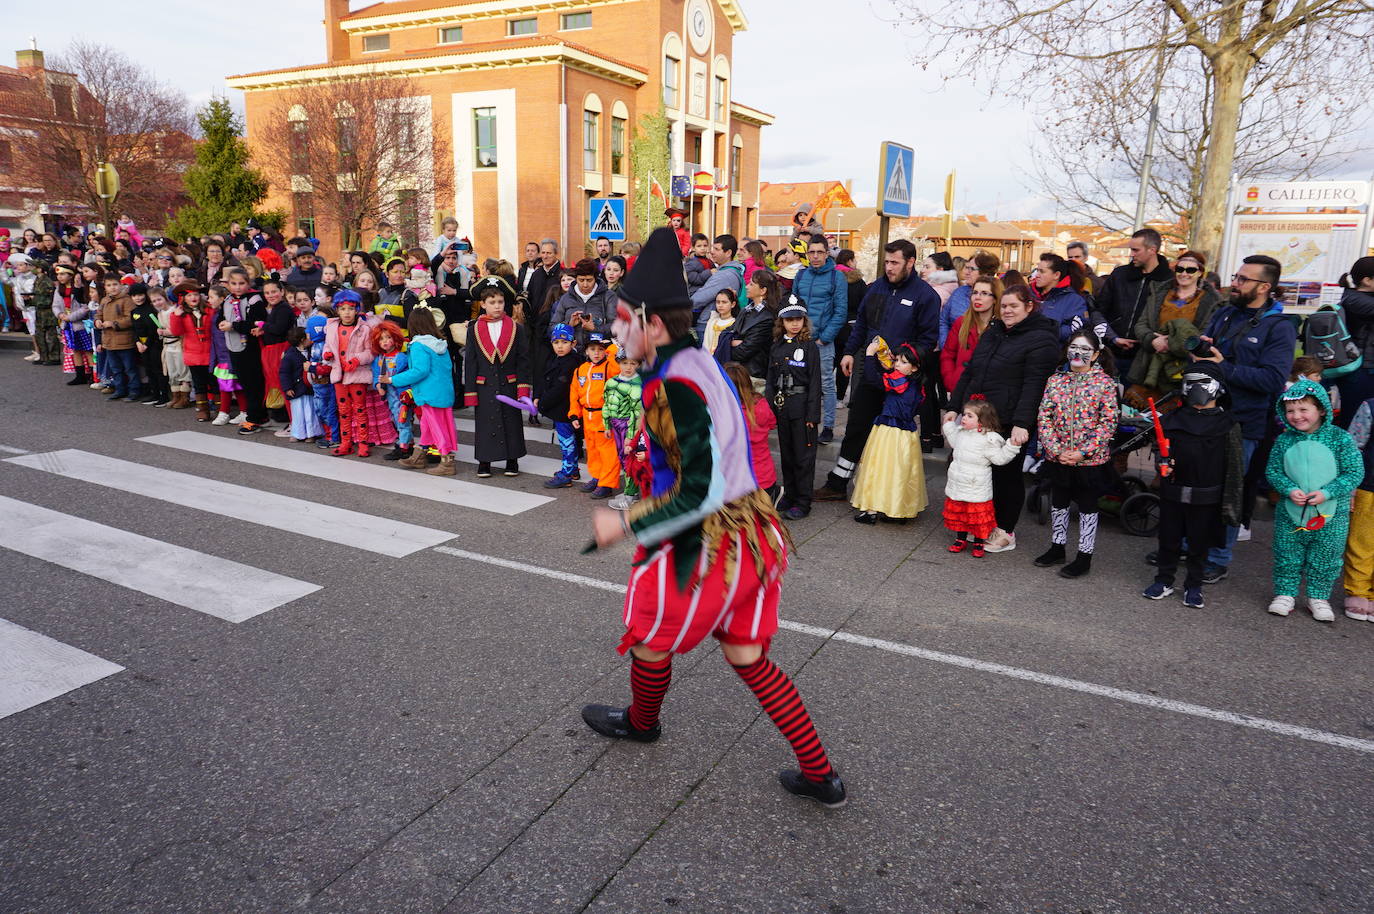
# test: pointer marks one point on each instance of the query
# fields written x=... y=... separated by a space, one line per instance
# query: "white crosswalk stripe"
x=305 y=518
x=217 y=587
x=34 y=668
x=357 y=472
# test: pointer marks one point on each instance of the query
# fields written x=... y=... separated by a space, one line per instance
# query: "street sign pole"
x=895 y=165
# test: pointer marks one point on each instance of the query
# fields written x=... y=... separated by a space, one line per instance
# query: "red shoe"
x=958 y=546
x=344 y=449
x=977 y=552
x=364 y=450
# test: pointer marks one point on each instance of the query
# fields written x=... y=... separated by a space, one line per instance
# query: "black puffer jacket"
x=1359 y=320
x=1125 y=294
x=1009 y=367
x=754 y=330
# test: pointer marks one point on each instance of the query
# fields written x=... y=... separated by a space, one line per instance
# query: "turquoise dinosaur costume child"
x=1308 y=538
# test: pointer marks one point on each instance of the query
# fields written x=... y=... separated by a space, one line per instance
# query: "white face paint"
x=1080 y=355
x=630 y=332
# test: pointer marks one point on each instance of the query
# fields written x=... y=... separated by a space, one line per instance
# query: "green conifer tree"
x=222 y=186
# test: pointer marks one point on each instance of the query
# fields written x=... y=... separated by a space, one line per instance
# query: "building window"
x=68 y=162
x=62 y=101
x=735 y=157
x=376 y=43
x=484 y=137
x=528 y=26
x=305 y=212
x=720 y=100
x=617 y=145
x=569 y=21
x=670 y=82
x=300 y=147
x=591 y=123
x=451 y=35
x=6 y=156
x=408 y=214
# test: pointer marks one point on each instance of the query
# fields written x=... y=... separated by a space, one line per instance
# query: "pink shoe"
x=1359 y=609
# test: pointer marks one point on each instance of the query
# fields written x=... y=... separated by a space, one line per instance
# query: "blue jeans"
x=1221 y=555
x=123 y=368
x=827 y=384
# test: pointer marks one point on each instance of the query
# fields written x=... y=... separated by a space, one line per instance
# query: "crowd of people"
x=1007 y=371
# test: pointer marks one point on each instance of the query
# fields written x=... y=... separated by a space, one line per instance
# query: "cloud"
x=786 y=160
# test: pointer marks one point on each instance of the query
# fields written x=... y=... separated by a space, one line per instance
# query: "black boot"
x=1051 y=556
x=81 y=377
x=512 y=468
x=1081 y=565
x=396 y=453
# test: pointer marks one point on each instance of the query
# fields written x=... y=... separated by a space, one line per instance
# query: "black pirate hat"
x=657 y=282
x=480 y=289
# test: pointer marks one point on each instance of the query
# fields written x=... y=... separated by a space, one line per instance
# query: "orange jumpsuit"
x=586 y=397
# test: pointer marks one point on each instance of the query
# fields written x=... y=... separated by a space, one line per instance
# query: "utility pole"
x=1148 y=161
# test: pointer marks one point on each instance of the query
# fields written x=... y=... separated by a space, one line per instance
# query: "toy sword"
x=1160 y=440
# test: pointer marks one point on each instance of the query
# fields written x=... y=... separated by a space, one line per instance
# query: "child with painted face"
x=1077 y=419
x=553 y=398
x=793 y=387
x=1201 y=482
x=976 y=443
x=1315 y=468
x=587 y=400
x=348 y=350
x=891 y=482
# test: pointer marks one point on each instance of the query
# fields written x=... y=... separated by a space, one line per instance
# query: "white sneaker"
x=97 y=385
x=282 y=433
x=1000 y=541
x=239 y=419
x=220 y=419
x=1244 y=535
x=1281 y=606
x=1321 y=610
x=622 y=502
x=31 y=357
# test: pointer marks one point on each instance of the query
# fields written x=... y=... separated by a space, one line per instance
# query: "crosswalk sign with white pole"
x=606 y=218
x=895 y=166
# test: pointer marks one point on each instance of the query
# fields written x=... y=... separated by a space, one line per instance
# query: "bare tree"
x=358 y=150
x=1266 y=88
x=100 y=106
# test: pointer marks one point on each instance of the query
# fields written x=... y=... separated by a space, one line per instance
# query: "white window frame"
x=383 y=35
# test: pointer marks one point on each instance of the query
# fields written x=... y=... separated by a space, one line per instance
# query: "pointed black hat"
x=657 y=281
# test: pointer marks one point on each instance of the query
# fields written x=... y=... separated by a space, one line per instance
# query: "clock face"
x=699 y=24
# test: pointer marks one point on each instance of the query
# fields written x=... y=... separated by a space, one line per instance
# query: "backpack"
x=1326 y=339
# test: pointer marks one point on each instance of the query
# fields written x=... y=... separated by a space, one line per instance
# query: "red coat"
x=954 y=358
x=195 y=337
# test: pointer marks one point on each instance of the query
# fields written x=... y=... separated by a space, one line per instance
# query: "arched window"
x=672 y=70
x=591 y=133
x=620 y=119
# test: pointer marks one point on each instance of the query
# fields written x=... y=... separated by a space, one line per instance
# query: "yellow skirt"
x=891 y=479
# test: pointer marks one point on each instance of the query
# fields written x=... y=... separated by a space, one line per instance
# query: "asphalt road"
x=405 y=736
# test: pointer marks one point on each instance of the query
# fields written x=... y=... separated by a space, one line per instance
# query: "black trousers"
x=865 y=402
x=841 y=379
x=797 y=448
x=1009 y=491
x=201 y=380
x=1201 y=524
x=1077 y=485
x=247 y=366
x=157 y=378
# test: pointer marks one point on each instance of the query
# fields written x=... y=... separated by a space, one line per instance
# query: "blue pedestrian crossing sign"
x=895 y=166
x=606 y=218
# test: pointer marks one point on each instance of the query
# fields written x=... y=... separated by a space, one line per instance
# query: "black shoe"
x=827 y=436
x=78 y=381
x=1051 y=556
x=483 y=471
x=866 y=517
x=396 y=453
x=1214 y=574
x=899 y=521
x=615 y=723
x=829 y=792
x=1081 y=565
x=150 y=400
x=512 y=468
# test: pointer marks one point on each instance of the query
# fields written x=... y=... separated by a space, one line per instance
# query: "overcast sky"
x=838 y=83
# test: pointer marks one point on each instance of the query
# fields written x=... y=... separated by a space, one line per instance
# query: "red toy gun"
x=1165 y=466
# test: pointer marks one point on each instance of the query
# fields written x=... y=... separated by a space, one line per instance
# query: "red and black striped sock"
x=649 y=680
x=781 y=701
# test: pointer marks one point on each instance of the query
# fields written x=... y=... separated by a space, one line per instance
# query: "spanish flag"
x=703 y=180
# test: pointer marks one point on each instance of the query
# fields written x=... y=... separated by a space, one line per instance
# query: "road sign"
x=606 y=216
x=895 y=165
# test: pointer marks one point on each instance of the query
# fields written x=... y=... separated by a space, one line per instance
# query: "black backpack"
x=1326 y=339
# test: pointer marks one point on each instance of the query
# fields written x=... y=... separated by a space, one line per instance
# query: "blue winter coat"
x=430 y=375
x=907 y=313
x=1257 y=346
x=1066 y=307
x=826 y=294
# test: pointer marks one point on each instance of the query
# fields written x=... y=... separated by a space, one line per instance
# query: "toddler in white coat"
x=968 y=483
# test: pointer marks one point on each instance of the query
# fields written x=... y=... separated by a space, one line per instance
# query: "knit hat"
x=562 y=332
x=657 y=282
x=347 y=297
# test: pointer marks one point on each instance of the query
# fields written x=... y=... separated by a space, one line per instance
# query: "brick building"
x=542 y=101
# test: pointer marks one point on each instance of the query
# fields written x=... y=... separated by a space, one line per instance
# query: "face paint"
x=631 y=333
x=1080 y=355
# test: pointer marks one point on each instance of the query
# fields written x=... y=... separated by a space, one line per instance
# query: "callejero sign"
x=1307 y=194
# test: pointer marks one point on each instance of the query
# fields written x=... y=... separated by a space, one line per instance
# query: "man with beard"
x=1252 y=342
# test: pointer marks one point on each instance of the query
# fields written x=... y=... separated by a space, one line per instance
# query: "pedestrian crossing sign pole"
x=606 y=218
x=895 y=166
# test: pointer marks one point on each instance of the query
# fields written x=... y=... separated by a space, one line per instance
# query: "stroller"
x=1131 y=498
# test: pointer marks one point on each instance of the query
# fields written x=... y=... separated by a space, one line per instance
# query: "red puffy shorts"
x=742 y=610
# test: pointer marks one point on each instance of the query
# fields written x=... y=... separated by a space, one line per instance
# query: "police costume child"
x=794 y=391
x=711 y=551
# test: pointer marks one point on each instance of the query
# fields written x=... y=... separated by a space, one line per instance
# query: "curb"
x=15 y=341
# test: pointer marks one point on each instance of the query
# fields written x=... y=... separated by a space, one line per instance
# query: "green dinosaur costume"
x=1310 y=539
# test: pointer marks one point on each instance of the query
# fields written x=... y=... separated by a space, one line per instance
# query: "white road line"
x=357 y=472
x=294 y=515
x=544 y=466
x=34 y=668
x=983 y=666
x=12 y=450
x=206 y=583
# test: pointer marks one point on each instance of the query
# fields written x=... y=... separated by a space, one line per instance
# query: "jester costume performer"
x=711 y=551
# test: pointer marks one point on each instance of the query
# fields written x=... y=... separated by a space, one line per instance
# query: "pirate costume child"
x=711 y=551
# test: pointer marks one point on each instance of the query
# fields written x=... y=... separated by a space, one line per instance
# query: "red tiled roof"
x=460 y=50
